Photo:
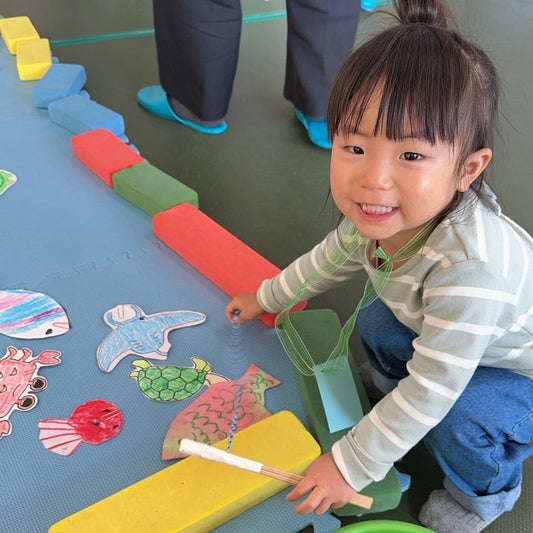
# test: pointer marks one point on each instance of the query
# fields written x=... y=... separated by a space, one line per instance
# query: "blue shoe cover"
x=404 y=480
x=316 y=129
x=155 y=100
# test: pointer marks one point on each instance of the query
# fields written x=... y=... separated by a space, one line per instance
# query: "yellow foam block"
x=196 y=495
x=15 y=30
x=34 y=58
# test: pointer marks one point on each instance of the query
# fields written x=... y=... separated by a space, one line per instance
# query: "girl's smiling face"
x=389 y=189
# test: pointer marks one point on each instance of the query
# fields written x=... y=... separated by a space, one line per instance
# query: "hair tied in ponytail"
x=431 y=12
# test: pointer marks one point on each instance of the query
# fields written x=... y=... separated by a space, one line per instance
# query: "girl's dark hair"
x=434 y=84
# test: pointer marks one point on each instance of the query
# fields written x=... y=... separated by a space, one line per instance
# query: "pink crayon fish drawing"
x=93 y=422
x=210 y=417
x=31 y=315
x=19 y=379
x=136 y=333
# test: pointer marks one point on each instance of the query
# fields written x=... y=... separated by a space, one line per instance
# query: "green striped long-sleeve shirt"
x=467 y=293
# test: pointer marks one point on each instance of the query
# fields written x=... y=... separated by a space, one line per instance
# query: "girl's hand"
x=325 y=485
x=247 y=305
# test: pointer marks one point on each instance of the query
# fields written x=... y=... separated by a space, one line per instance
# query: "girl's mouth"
x=375 y=213
x=376 y=209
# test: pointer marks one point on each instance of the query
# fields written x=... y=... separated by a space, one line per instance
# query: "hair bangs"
x=419 y=88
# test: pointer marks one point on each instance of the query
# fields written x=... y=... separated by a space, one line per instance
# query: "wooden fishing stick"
x=204 y=451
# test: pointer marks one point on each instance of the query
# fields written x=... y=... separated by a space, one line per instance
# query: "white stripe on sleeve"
x=405 y=406
x=390 y=435
x=443 y=357
x=435 y=387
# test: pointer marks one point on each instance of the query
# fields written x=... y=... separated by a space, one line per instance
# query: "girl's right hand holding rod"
x=247 y=305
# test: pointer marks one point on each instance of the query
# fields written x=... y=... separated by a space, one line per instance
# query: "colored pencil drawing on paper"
x=209 y=418
x=173 y=383
x=31 y=315
x=93 y=422
x=19 y=380
x=136 y=333
x=7 y=179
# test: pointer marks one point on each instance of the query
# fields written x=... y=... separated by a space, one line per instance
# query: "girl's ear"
x=474 y=165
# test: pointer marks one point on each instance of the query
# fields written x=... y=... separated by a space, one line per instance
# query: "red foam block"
x=104 y=153
x=221 y=257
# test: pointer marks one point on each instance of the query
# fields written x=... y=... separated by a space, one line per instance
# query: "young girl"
x=450 y=334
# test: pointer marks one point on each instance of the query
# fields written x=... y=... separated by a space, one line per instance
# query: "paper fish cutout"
x=19 y=379
x=135 y=333
x=93 y=422
x=6 y=180
x=31 y=315
x=209 y=418
x=173 y=383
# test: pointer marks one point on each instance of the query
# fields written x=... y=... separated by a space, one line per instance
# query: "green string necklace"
x=289 y=336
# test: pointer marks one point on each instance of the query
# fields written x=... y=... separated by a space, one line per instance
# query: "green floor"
x=262 y=179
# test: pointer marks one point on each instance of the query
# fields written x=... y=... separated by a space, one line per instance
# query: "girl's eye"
x=355 y=150
x=411 y=156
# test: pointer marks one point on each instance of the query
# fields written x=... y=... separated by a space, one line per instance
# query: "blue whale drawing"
x=136 y=333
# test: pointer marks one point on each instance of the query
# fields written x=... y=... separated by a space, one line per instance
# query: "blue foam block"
x=78 y=114
x=61 y=80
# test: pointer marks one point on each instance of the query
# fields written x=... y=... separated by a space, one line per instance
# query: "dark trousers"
x=198 y=49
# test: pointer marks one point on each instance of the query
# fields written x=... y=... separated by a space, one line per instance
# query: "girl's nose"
x=376 y=174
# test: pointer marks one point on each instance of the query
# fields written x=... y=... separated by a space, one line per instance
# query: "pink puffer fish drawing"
x=210 y=417
x=93 y=422
x=19 y=380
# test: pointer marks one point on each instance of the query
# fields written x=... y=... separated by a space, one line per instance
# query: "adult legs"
x=197 y=51
x=198 y=48
x=321 y=35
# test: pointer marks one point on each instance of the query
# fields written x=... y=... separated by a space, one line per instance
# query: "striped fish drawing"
x=31 y=315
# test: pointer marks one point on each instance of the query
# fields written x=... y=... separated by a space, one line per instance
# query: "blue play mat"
x=65 y=233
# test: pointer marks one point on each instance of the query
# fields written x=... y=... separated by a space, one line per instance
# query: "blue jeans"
x=483 y=441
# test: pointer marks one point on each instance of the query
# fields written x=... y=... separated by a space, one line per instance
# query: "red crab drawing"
x=18 y=381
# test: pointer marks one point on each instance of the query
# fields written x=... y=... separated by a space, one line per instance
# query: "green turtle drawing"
x=173 y=383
